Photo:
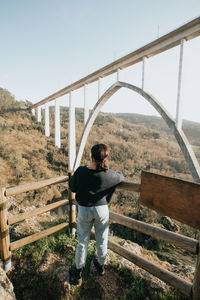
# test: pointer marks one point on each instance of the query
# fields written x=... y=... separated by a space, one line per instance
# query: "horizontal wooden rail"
x=129 y=186
x=179 y=240
x=34 y=237
x=170 y=40
x=35 y=212
x=170 y=278
x=34 y=185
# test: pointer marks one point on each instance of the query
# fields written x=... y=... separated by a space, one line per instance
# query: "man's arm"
x=73 y=182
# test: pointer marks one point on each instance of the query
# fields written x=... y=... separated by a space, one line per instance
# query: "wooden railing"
x=189 y=244
x=5 y=245
x=174 y=198
x=185 y=287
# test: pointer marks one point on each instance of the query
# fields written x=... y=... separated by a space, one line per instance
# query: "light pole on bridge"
x=47 y=130
x=86 y=109
x=39 y=113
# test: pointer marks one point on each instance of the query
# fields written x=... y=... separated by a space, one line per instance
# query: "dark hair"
x=99 y=153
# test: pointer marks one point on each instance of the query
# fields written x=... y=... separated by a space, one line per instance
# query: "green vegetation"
x=52 y=244
x=136 y=143
x=131 y=287
x=139 y=289
x=8 y=102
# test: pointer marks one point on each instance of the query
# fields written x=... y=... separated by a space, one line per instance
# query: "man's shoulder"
x=115 y=174
x=81 y=168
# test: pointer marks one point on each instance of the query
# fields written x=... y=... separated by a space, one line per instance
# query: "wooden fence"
x=163 y=194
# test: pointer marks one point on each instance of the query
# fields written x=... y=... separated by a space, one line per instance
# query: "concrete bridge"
x=176 y=38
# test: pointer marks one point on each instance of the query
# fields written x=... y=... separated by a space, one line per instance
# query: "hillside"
x=191 y=129
x=27 y=155
x=136 y=143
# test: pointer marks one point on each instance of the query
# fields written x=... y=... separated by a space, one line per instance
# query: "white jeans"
x=87 y=216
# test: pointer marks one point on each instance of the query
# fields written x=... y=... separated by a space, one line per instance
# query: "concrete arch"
x=178 y=133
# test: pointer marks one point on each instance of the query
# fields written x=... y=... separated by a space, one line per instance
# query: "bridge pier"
x=86 y=109
x=39 y=113
x=72 y=134
x=47 y=130
x=118 y=74
x=33 y=111
x=72 y=156
x=57 y=124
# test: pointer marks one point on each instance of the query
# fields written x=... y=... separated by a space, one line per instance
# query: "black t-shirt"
x=92 y=187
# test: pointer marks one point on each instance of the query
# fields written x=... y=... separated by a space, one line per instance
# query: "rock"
x=109 y=286
x=54 y=272
x=31 y=225
x=169 y=224
x=135 y=248
x=12 y=206
x=185 y=271
x=69 y=247
x=153 y=244
x=154 y=284
x=6 y=287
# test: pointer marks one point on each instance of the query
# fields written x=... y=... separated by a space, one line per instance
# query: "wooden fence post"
x=72 y=210
x=4 y=231
x=196 y=282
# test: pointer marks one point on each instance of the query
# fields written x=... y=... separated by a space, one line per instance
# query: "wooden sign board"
x=175 y=198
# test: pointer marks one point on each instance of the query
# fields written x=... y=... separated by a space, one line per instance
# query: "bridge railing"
x=185 y=287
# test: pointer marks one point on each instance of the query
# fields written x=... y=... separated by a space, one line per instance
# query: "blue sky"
x=48 y=44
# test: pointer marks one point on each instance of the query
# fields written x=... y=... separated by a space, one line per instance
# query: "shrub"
x=150 y=134
x=38 y=127
x=22 y=127
x=33 y=118
x=3 y=126
x=49 y=157
x=180 y=167
x=41 y=150
x=63 y=135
